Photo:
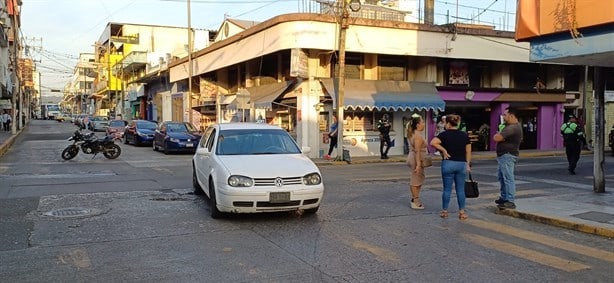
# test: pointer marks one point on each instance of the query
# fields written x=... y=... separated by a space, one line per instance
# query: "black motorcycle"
x=91 y=144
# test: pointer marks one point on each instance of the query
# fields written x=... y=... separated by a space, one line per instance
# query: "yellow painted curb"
x=585 y=228
x=4 y=147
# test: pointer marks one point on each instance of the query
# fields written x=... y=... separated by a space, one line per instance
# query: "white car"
x=249 y=168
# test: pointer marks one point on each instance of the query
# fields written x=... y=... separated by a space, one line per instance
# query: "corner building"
x=284 y=71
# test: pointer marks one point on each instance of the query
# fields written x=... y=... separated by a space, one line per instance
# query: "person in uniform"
x=573 y=136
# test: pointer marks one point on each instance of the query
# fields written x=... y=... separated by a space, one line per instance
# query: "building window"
x=363 y=121
x=573 y=75
x=354 y=65
x=392 y=68
x=526 y=76
x=458 y=73
x=268 y=66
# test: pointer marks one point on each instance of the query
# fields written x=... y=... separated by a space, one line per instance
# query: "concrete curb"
x=437 y=161
x=6 y=145
x=558 y=222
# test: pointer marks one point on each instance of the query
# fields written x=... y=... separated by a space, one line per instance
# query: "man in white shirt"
x=5 y=118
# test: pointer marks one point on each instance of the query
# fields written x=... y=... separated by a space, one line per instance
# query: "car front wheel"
x=215 y=213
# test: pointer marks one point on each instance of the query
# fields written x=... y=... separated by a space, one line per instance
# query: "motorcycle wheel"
x=70 y=152
x=112 y=151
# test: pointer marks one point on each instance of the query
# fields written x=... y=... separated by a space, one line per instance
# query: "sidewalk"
x=587 y=212
x=6 y=140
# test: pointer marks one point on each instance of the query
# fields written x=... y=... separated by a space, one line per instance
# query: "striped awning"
x=385 y=95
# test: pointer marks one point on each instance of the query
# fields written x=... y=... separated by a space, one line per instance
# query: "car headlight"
x=312 y=179
x=173 y=140
x=240 y=181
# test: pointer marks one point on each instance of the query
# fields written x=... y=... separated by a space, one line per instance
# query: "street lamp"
x=353 y=5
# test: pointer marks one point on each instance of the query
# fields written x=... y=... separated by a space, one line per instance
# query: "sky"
x=56 y=31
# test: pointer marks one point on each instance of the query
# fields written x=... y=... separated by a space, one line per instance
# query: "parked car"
x=116 y=128
x=173 y=136
x=62 y=117
x=139 y=132
x=250 y=168
x=98 y=123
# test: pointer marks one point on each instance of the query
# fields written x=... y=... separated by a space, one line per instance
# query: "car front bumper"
x=257 y=200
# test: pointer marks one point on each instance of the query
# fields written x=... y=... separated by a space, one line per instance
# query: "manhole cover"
x=68 y=212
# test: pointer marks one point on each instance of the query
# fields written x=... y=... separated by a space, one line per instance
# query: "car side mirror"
x=306 y=149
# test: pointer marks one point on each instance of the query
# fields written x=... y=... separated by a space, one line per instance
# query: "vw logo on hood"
x=279 y=182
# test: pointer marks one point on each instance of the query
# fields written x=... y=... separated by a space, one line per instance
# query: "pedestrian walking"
x=455 y=149
x=332 y=137
x=417 y=152
x=573 y=138
x=508 y=144
x=383 y=126
x=5 y=118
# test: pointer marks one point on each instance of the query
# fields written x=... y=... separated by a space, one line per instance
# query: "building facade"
x=127 y=52
x=286 y=68
x=78 y=90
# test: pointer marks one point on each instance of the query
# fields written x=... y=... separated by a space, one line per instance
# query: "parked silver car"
x=98 y=123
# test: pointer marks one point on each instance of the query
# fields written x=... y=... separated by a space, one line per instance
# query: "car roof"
x=247 y=126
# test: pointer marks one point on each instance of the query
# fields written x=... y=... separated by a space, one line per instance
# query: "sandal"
x=443 y=214
x=416 y=203
x=462 y=215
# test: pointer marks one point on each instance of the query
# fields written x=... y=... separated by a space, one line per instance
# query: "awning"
x=386 y=95
x=240 y=100
x=264 y=95
x=227 y=99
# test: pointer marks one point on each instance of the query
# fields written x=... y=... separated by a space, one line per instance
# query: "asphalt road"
x=136 y=219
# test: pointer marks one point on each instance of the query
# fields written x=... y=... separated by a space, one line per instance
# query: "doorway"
x=527 y=118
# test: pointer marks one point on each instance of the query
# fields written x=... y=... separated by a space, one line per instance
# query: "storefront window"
x=392 y=68
x=363 y=121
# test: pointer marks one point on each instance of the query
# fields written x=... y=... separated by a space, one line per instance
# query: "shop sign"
x=298 y=63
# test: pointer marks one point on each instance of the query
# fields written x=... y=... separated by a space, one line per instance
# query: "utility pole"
x=189 y=63
x=16 y=82
x=598 y=165
x=345 y=5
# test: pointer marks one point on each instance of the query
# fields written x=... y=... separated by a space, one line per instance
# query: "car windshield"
x=180 y=127
x=252 y=142
x=146 y=125
x=117 y=123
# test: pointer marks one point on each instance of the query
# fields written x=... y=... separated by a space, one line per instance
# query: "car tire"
x=215 y=213
x=311 y=210
x=198 y=190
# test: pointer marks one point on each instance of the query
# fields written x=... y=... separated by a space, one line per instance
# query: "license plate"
x=279 y=197
x=189 y=145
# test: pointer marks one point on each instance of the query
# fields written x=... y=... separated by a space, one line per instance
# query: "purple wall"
x=550 y=119
x=432 y=127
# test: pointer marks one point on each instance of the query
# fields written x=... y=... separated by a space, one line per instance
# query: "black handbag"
x=471 y=188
